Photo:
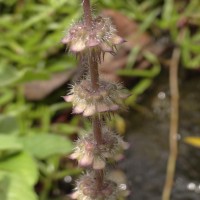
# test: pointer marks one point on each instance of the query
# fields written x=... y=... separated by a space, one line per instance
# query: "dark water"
x=145 y=163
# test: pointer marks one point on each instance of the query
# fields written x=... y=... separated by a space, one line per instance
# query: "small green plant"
x=96 y=98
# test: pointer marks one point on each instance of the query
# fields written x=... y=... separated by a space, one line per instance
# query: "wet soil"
x=145 y=162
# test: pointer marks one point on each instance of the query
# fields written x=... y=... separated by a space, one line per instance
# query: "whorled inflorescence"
x=101 y=36
x=109 y=97
x=95 y=98
x=88 y=153
x=86 y=189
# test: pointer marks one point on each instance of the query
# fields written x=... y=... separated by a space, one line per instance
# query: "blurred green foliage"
x=31 y=146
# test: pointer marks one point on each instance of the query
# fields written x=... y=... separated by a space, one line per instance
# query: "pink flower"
x=108 y=98
x=102 y=36
x=86 y=189
x=89 y=154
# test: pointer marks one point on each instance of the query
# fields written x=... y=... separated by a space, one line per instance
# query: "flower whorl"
x=101 y=37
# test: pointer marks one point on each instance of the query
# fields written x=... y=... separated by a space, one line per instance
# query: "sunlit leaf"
x=13 y=187
x=194 y=141
x=21 y=164
x=9 y=142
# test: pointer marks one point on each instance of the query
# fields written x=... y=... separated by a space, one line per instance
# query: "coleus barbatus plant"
x=95 y=98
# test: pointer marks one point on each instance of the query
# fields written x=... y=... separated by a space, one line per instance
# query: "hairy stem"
x=87 y=13
x=96 y=123
x=97 y=130
x=174 y=117
x=94 y=75
x=94 y=72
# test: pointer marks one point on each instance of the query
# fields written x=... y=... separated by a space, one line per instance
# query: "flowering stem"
x=97 y=130
x=99 y=178
x=94 y=75
x=87 y=13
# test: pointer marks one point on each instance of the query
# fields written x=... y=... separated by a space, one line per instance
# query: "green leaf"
x=65 y=128
x=168 y=10
x=6 y=96
x=13 y=187
x=147 y=73
x=132 y=57
x=21 y=164
x=32 y=75
x=59 y=106
x=45 y=145
x=194 y=141
x=139 y=89
x=148 y=21
x=9 y=142
x=62 y=65
x=8 y=124
x=9 y=75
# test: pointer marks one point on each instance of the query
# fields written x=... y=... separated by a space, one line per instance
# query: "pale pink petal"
x=125 y=145
x=106 y=47
x=92 y=42
x=117 y=40
x=86 y=160
x=66 y=39
x=102 y=108
x=74 y=195
x=68 y=98
x=89 y=146
x=114 y=107
x=79 y=108
x=90 y=110
x=73 y=156
x=77 y=46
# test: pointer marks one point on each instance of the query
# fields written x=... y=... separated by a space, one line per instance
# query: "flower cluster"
x=102 y=36
x=95 y=98
x=87 y=189
x=109 y=97
x=88 y=153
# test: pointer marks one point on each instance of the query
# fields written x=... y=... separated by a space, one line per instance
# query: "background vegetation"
x=36 y=130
